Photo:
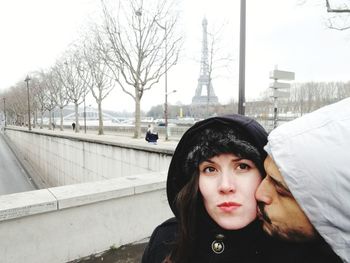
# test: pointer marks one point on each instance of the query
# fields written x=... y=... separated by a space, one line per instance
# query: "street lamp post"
x=4 y=100
x=165 y=78
x=29 y=123
x=241 y=93
x=166 y=114
x=166 y=83
x=84 y=113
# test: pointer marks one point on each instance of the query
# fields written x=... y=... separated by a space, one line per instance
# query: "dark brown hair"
x=187 y=202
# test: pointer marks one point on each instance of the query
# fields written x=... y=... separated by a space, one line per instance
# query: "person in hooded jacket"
x=305 y=195
x=151 y=136
x=212 y=179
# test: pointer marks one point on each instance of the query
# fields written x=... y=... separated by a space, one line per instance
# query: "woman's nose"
x=227 y=183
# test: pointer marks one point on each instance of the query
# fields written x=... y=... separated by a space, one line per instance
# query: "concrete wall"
x=61 y=159
x=69 y=222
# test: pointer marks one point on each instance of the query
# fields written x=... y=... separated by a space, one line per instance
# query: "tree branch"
x=336 y=10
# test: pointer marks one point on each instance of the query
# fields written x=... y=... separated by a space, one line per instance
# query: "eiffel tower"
x=204 y=82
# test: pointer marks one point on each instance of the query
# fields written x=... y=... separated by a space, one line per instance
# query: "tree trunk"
x=41 y=119
x=100 y=118
x=53 y=123
x=61 y=116
x=34 y=119
x=50 y=120
x=137 y=131
x=77 y=127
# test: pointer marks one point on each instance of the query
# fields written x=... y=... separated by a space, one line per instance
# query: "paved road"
x=13 y=178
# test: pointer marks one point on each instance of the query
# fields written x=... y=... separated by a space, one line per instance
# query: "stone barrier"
x=65 y=223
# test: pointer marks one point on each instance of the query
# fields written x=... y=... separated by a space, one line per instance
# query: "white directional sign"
x=280 y=94
x=279 y=89
x=279 y=85
x=280 y=74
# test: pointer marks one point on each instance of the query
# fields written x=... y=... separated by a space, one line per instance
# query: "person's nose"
x=263 y=193
x=227 y=182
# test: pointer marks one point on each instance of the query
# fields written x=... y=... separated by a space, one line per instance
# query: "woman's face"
x=228 y=184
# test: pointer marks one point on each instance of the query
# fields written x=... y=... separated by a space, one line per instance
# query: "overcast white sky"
x=34 y=33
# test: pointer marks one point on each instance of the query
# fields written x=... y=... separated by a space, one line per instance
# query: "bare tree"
x=57 y=91
x=344 y=90
x=40 y=96
x=96 y=76
x=70 y=77
x=338 y=13
x=339 y=18
x=17 y=103
x=9 y=107
x=342 y=8
x=218 y=58
x=309 y=96
x=132 y=41
x=50 y=106
x=44 y=95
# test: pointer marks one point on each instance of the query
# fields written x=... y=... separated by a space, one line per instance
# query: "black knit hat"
x=236 y=134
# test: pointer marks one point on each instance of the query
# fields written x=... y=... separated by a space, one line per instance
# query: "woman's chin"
x=233 y=224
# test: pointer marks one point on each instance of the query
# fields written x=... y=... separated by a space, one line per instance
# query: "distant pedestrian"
x=151 y=135
x=73 y=126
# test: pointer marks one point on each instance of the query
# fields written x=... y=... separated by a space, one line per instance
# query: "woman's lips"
x=229 y=206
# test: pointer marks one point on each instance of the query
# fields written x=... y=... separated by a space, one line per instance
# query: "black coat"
x=151 y=137
x=246 y=245
x=161 y=242
x=249 y=244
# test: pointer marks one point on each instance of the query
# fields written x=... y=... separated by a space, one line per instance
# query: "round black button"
x=217 y=246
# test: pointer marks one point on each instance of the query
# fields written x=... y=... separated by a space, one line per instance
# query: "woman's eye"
x=209 y=169
x=243 y=166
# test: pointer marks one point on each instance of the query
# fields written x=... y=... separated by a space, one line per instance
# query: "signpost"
x=280 y=93
x=279 y=74
x=280 y=89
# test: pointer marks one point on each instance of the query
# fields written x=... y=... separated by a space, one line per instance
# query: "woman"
x=151 y=136
x=211 y=183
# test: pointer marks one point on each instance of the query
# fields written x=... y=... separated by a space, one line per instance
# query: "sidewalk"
x=114 y=138
x=124 y=254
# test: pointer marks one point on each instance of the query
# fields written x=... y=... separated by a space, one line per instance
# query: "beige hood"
x=313 y=155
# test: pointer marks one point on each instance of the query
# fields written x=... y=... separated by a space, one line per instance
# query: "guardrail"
x=65 y=223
